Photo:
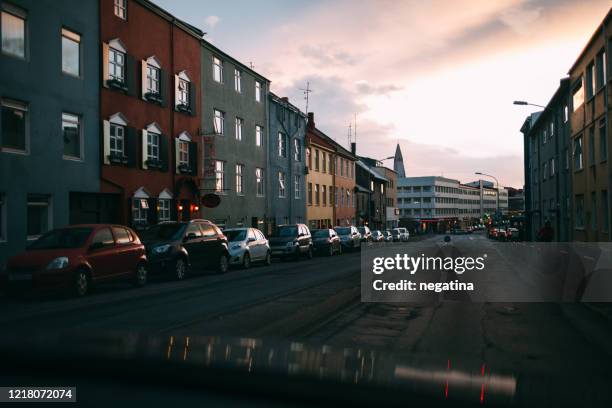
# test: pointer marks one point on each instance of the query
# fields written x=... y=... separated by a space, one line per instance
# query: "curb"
x=594 y=325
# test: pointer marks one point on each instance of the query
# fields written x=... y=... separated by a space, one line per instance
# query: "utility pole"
x=307 y=92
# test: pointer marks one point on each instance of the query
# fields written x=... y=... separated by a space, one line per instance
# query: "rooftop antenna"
x=251 y=65
x=350 y=133
x=307 y=92
x=355 y=129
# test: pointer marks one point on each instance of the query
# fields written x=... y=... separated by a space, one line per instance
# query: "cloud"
x=327 y=54
x=364 y=87
x=211 y=21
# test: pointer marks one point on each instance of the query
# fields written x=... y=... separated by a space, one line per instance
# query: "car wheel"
x=246 y=261
x=180 y=268
x=268 y=260
x=81 y=283
x=223 y=264
x=141 y=275
x=309 y=254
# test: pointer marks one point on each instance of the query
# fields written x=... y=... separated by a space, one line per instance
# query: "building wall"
x=39 y=82
x=287 y=120
x=322 y=213
x=236 y=209
x=591 y=183
x=146 y=34
x=344 y=185
x=392 y=212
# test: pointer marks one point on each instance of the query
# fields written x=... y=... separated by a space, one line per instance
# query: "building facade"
x=320 y=178
x=149 y=109
x=286 y=188
x=344 y=186
x=589 y=81
x=234 y=125
x=547 y=167
x=392 y=212
x=371 y=190
x=49 y=126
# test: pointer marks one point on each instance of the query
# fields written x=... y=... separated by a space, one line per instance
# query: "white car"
x=400 y=234
x=247 y=245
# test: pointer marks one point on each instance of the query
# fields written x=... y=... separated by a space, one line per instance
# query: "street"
x=318 y=301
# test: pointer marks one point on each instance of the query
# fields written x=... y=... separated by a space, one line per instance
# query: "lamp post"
x=525 y=103
x=496 y=185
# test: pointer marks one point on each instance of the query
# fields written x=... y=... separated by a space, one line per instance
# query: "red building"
x=150 y=114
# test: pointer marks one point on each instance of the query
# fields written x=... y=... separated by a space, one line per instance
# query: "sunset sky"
x=439 y=77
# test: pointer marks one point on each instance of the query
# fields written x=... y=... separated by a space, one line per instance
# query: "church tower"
x=398 y=163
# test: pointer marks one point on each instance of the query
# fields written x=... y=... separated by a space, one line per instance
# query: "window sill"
x=71 y=75
x=15 y=151
x=73 y=159
x=15 y=56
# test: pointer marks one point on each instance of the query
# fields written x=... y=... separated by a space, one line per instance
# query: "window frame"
x=260 y=181
x=220 y=179
x=237 y=80
x=121 y=7
x=163 y=207
x=217 y=67
x=258 y=89
x=141 y=210
x=282 y=185
x=150 y=80
x=25 y=109
x=36 y=200
x=239 y=178
x=75 y=37
x=22 y=15
x=183 y=147
x=115 y=151
x=153 y=146
x=297 y=187
x=79 y=122
x=184 y=96
x=112 y=65
x=219 y=115
x=259 y=136
x=238 y=125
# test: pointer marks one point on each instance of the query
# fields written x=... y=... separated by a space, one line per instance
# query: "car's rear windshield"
x=343 y=231
x=62 y=238
x=285 y=232
x=235 y=235
x=320 y=233
x=162 y=232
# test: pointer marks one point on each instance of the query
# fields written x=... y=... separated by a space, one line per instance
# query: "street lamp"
x=496 y=183
x=525 y=103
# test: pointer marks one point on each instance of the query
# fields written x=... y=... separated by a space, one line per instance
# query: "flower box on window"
x=154 y=164
x=117 y=158
x=181 y=107
x=184 y=169
x=154 y=97
x=116 y=84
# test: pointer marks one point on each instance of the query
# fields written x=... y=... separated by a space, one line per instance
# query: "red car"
x=78 y=256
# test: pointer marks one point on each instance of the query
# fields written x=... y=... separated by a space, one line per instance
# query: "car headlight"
x=161 y=249
x=58 y=263
x=235 y=246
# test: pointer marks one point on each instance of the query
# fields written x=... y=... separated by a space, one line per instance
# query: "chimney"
x=354 y=148
x=311 y=122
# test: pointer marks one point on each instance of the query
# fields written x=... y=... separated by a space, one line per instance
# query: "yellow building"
x=320 y=179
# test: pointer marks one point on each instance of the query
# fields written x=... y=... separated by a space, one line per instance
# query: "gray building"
x=287 y=126
x=235 y=136
x=546 y=138
x=49 y=126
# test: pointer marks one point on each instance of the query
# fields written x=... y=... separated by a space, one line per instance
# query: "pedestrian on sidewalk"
x=546 y=233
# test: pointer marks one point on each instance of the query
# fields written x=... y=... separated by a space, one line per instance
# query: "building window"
x=140 y=208
x=116 y=65
x=219 y=122
x=579 y=199
x=237 y=81
x=281 y=185
x=183 y=150
x=577 y=95
x=603 y=141
x=117 y=139
x=297 y=150
x=565 y=114
x=282 y=145
x=324 y=195
x=578 y=161
x=316 y=159
x=605 y=211
x=2 y=217
x=332 y=196
x=258 y=136
x=71 y=52
x=238 y=129
x=316 y=194
x=71 y=132
x=323 y=162
x=163 y=210
x=13 y=31
x=153 y=75
x=593 y=211
x=121 y=9
x=14 y=126
x=219 y=176
x=39 y=216
x=592 y=146
x=183 y=92
x=217 y=70
x=239 y=184
x=552 y=167
x=297 y=187
x=257 y=91
x=309 y=193
x=590 y=81
x=153 y=146
x=259 y=179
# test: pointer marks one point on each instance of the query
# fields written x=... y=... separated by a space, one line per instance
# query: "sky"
x=437 y=77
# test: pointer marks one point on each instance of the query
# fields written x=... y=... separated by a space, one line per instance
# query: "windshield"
x=285 y=231
x=320 y=233
x=235 y=235
x=343 y=231
x=163 y=232
x=62 y=238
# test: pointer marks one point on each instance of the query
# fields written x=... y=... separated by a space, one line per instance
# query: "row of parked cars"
x=77 y=257
x=503 y=233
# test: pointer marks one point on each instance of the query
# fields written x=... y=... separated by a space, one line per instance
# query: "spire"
x=398 y=162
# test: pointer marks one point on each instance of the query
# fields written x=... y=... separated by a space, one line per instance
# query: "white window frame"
x=79 y=123
x=24 y=108
x=163 y=206
x=258 y=88
x=48 y=205
x=260 y=182
x=75 y=38
x=297 y=150
x=220 y=186
x=153 y=80
x=120 y=9
x=116 y=137
x=239 y=179
x=297 y=187
x=114 y=65
x=238 y=128
x=219 y=121
x=258 y=136
x=153 y=145
x=183 y=153
x=14 y=12
x=282 y=185
x=282 y=145
x=217 y=69
x=237 y=80
x=183 y=91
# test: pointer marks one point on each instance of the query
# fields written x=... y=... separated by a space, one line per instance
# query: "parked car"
x=400 y=234
x=247 y=245
x=291 y=241
x=492 y=233
x=326 y=242
x=377 y=236
x=366 y=234
x=350 y=238
x=77 y=257
x=179 y=248
x=388 y=236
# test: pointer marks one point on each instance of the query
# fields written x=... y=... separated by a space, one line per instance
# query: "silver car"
x=350 y=238
x=247 y=245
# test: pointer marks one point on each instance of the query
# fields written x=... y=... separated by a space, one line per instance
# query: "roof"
x=371 y=170
x=226 y=56
x=278 y=99
x=188 y=28
x=563 y=86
